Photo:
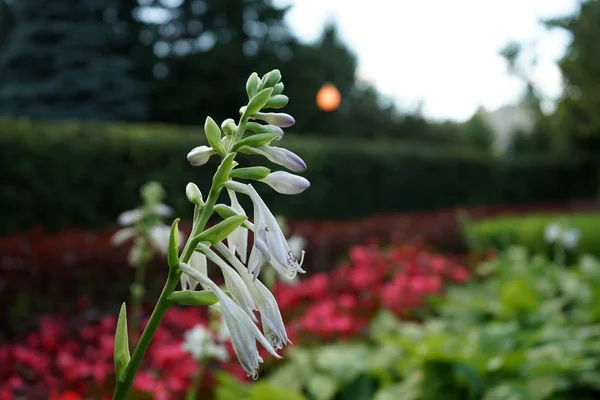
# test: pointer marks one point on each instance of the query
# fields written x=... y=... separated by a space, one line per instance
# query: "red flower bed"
x=69 y=357
x=42 y=272
x=341 y=303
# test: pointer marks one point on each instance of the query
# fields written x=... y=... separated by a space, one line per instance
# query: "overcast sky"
x=443 y=52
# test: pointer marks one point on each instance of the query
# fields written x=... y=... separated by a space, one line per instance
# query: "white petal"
x=243 y=331
x=238 y=240
x=233 y=281
x=122 y=236
x=129 y=217
x=163 y=210
x=198 y=262
x=272 y=321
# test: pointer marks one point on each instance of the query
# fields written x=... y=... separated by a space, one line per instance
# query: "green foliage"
x=528 y=231
x=228 y=388
x=58 y=62
x=478 y=134
x=529 y=330
x=577 y=113
x=84 y=174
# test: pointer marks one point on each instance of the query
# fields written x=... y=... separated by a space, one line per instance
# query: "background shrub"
x=84 y=174
x=528 y=231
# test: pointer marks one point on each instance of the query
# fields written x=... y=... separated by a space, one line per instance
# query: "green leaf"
x=258 y=140
x=213 y=135
x=258 y=101
x=322 y=387
x=173 y=254
x=194 y=298
x=222 y=174
x=255 y=173
x=266 y=391
x=252 y=85
x=121 y=346
x=277 y=101
x=221 y=230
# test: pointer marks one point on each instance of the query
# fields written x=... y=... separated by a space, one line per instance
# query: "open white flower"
x=272 y=322
x=244 y=333
x=570 y=238
x=552 y=233
x=238 y=240
x=234 y=282
x=198 y=262
x=270 y=245
x=198 y=342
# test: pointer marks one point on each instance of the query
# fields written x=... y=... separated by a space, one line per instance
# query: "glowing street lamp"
x=328 y=98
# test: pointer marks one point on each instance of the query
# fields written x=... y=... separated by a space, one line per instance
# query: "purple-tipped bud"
x=278 y=119
x=281 y=156
x=286 y=183
x=200 y=155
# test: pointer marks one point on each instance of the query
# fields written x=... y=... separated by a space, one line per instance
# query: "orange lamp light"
x=328 y=98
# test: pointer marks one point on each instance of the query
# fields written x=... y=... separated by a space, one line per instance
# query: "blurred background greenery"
x=99 y=97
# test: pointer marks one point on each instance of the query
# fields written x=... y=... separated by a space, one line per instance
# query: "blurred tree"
x=578 y=112
x=58 y=63
x=206 y=49
x=5 y=21
x=478 y=134
x=543 y=137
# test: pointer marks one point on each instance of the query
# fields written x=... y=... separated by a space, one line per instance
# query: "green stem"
x=160 y=309
x=163 y=303
x=192 y=394
x=137 y=296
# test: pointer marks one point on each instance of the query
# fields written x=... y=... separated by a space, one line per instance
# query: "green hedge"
x=58 y=174
x=528 y=231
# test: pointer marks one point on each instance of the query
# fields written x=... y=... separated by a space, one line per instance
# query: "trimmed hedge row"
x=77 y=174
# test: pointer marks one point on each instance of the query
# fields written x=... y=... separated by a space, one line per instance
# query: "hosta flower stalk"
x=244 y=293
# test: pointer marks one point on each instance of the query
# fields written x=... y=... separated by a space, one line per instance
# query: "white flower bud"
x=286 y=183
x=200 y=155
x=193 y=194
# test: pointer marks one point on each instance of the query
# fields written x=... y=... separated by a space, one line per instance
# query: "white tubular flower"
x=122 y=235
x=552 y=233
x=270 y=245
x=198 y=262
x=233 y=281
x=198 y=342
x=244 y=333
x=286 y=183
x=238 y=240
x=223 y=334
x=570 y=238
x=129 y=217
x=270 y=316
x=281 y=156
x=200 y=155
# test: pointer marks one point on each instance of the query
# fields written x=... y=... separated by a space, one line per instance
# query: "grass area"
x=529 y=230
